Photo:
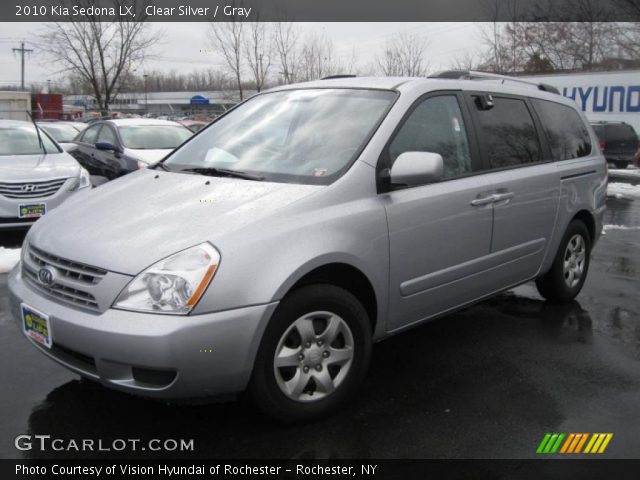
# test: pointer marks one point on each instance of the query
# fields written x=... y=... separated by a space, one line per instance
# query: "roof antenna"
x=38 y=132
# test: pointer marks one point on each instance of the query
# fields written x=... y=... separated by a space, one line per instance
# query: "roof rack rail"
x=472 y=75
x=331 y=77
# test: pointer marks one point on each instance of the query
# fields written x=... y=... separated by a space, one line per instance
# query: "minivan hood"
x=130 y=223
x=16 y=168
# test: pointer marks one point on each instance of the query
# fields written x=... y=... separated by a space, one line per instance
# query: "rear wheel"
x=569 y=270
x=314 y=354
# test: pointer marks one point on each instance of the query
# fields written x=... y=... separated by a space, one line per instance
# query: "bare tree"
x=286 y=38
x=258 y=52
x=467 y=61
x=99 y=52
x=404 y=56
x=317 y=58
x=228 y=38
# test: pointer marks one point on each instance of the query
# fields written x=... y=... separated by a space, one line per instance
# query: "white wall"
x=601 y=95
x=15 y=105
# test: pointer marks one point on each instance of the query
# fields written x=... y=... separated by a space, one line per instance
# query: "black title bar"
x=320 y=10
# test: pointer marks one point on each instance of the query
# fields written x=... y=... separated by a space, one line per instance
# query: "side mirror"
x=107 y=146
x=417 y=168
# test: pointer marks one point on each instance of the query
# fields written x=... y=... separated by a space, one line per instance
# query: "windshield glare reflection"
x=296 y=136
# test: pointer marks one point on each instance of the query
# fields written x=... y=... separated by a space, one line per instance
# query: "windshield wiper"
x=35 y=125
x=223 y=172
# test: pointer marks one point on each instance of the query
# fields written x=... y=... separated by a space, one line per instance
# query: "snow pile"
x=619 y=227
x=629 y=173
x=623 y=190
x=8 y=258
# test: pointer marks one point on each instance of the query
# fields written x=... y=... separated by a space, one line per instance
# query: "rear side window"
x=508 y=133
x=566 y=132
x=436 y=125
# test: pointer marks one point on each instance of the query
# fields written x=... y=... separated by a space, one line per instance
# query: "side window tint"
x=566 y=132
x=508 y=133
x=90 y=134
x=106 y=135
x=437 y=126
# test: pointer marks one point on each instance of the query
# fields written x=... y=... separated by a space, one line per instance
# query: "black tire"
x=553 y=286
x=263 y=387
x=621 y=165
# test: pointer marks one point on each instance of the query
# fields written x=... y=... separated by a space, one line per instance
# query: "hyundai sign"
x=606 y=96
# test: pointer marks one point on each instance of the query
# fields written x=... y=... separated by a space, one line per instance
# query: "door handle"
x=478 y=202
x=494 y=198
x=498 y=197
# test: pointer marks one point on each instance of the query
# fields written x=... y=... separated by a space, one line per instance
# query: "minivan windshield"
x=294 y=136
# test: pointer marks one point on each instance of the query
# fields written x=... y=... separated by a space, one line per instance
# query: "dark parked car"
x=618 y=142
x=111 y=148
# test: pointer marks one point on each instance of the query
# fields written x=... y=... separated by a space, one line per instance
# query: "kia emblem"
x=46 y=276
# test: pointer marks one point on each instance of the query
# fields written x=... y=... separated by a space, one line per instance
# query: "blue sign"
x=615 y=98
x=199 y=100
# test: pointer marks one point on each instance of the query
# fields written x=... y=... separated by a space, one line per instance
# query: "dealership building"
x=164 y=103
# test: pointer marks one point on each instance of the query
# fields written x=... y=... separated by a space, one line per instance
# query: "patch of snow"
x=8 y=258
x=632 y=173
x=619 y=227
x=623 y=190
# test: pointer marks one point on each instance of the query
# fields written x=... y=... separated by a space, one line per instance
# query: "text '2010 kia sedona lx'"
x=271 y=250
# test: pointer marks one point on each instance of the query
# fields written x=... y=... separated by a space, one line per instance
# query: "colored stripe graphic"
x=550 y=443
x=573 y=443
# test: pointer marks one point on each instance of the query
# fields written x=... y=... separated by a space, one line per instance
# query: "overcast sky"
x=182 y=42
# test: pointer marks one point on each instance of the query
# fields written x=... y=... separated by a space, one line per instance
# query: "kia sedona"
x=270 y=251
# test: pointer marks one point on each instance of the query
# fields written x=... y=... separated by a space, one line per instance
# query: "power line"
x=22 y=51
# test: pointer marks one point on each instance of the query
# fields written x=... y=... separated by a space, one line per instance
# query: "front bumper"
x=9 y=206
x=162 y=356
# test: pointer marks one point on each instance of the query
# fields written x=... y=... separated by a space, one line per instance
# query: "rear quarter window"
x=566 y=133
x=509 y=133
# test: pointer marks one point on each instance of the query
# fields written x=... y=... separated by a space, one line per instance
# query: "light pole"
x=145 y=95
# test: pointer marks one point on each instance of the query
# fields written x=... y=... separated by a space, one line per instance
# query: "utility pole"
x=22 y=51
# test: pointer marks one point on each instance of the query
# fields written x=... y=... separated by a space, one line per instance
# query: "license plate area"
x=36 y=325
x=32 y=210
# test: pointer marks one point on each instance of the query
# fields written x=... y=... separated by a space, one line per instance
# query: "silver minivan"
x=270 y=251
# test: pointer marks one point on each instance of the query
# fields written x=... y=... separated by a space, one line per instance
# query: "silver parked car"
x=271 y=250
x=36 y=175
x=63 y=132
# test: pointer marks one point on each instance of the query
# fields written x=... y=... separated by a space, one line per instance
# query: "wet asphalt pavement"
x=486 y=382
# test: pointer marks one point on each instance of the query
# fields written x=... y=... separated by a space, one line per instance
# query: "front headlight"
x=173 y=285
x=82 y=181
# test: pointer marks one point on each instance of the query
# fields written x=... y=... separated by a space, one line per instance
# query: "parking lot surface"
x=486 y=382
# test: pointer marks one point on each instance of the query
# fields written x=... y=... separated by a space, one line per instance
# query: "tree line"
x=103 y=58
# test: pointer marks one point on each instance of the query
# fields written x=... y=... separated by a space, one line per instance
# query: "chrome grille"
x=71 y=280
x=31 y=189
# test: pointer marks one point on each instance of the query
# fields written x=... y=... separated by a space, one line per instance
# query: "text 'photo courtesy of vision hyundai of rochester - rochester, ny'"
x=306 y=224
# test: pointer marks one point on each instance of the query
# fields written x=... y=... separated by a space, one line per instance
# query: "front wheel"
x=569 y=270
x=313 y=356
